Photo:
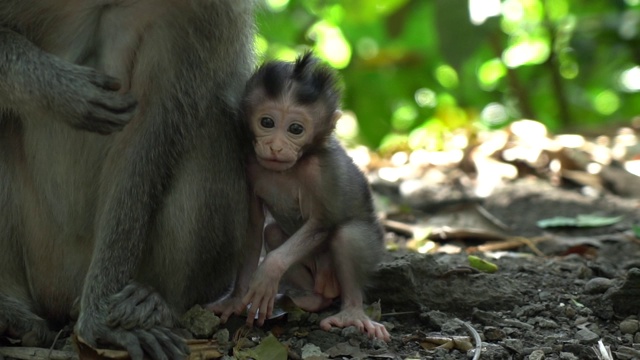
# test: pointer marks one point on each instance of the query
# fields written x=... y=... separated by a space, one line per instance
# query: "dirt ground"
x=553 y=297
x=582 y=286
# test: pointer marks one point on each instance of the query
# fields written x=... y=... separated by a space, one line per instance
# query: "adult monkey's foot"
x=136 y=319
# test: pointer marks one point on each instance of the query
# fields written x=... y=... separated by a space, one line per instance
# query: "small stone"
x=567 y=356
x=626 y=298
x=324 y=339
x=587 y=336
x=636 y=338
x=313 y=318
x=350 y=331
x=536 y=355
x=629 y=326
x=580 y=320
x=297 y=315
x=546 y=323
x=545 y=295
x=625 y=352
x=570 y=312
x=378 y=344
x=514 y=345
x=489 y=351
x=492 y=333
x=452 y=326
x=597 y=285
x=434 y=318
x=312 y=352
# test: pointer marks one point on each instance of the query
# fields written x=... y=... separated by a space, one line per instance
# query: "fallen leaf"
x=481 y=264
x=579 y=221
x=268 y=349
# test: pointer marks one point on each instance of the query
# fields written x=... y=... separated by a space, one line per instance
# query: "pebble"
x=597 y=285
x=536 y=355
x=546 y=323
x=636 y=338
x=625 y=352
x=434 y=318
x=324 y=339
x=350 y=331
x=570 y=312
x=545 y=295
x=518 y=324
x=580 y=320
x=310 y=351
x=567 y=356
x=514 y=345
x=452 y=326
x=313 y=318
x=492 y=333
x=489 y=352
x=629 y=326
x=587 y=336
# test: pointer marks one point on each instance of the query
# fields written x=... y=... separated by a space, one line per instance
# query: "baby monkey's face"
x=281 y=130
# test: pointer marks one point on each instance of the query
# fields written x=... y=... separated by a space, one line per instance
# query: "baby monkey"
x=322 y=235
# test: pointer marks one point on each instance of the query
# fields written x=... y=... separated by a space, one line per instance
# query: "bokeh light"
x=447 y=76
x=426 y=98
x=606 y=102
x=331 y=44
x=277 y=5
x=630 y=79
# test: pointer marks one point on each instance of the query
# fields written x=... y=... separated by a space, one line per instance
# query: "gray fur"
x=86 y=215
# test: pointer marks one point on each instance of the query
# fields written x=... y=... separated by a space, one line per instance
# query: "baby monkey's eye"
x=267 y=122
x=296 y=129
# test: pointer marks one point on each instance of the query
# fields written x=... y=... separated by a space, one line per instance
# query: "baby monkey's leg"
x=311 y=284
x=355 y=251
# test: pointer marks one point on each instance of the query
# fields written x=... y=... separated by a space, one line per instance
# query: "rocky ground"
x=554 y=298
x=555 y=295
x=558 y=292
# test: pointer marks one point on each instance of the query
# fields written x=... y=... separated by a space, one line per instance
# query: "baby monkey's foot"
x=356 y=317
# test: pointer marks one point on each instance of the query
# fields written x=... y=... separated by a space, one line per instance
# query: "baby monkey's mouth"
x=275 y=164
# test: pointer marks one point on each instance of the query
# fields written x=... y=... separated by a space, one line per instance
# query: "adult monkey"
x=106 y=180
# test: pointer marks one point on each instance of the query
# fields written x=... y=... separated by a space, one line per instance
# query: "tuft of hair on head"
x=315 y=82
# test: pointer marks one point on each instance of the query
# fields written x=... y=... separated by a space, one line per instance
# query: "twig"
x=602 y=352
x=398 y=227
x=55 y=340
x=399 y=313
x=511 y=243
x=476 y=339
x=494 y=220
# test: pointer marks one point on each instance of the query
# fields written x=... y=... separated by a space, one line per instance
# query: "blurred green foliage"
x=417 y=71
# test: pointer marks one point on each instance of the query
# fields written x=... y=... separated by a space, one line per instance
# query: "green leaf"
x=579 y=221
x=636 y=231
x=269 y=349
x=482 y=265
